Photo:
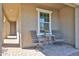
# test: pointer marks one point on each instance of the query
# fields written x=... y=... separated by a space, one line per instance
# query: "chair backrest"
x=34 y=36
x=58 y=34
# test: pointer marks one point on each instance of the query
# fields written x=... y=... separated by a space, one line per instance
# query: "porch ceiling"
x=72 y=4
x=53 y=5
x=11 y=11
x=59 y=5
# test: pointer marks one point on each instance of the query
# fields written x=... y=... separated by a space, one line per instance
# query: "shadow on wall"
x=0 y=51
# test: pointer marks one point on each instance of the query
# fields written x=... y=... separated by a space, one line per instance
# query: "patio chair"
x=37 y=40
x=58 y=36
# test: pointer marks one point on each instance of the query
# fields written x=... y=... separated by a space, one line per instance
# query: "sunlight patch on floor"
x=20 y=52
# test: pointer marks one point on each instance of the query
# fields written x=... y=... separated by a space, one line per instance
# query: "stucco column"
x=77 y=27
x=1 y=28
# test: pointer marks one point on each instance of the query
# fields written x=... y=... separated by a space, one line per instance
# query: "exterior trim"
x=45 y=11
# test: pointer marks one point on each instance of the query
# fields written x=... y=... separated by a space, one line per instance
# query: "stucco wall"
x=1 y=27
x=67 y=24
x=29 y=21
x=6 y=28
x=77 y=27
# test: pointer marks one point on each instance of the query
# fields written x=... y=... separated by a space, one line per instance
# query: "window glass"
x=44 y=22
x=46 y=27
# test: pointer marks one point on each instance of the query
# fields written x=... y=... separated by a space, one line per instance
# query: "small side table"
x=50 y=38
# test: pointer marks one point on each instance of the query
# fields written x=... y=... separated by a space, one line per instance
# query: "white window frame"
x=44 y=11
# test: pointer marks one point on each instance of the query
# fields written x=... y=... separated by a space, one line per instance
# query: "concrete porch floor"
x=60 y=50
x=48 y=50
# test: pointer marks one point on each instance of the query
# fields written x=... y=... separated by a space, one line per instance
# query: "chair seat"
x=35 y=41
x=58 y=40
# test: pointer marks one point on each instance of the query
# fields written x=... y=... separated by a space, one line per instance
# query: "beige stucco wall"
x=6 y=27
x=67 y=24
x=29 y=21
x=77 y=27
x=18 y=26
x=1 y=27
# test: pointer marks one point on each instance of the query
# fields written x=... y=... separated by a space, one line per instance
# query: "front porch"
x=59 y=17
x=60 y=50
x=48 y=50
x=40 y=17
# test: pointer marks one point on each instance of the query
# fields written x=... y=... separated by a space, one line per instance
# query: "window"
x=44 y=21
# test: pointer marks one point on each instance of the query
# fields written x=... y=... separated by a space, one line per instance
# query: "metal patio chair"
x=37 y=40
x=58 y=36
